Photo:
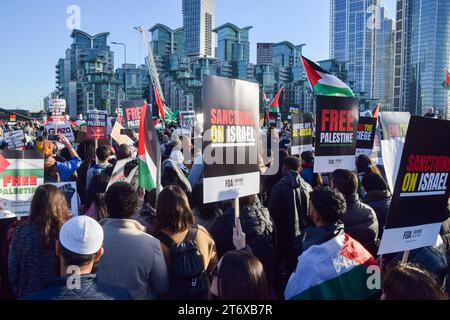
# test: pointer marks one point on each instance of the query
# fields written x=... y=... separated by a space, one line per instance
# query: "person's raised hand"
x=238 y=235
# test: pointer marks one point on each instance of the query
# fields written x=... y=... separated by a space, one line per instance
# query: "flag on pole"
x=324 y=83
x=149 y=152
x=277 y=101
x=159 y=103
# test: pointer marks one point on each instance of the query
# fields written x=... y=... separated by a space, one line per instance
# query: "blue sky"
x=34 y=35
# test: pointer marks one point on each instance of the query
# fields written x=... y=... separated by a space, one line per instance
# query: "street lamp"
x=125 y=65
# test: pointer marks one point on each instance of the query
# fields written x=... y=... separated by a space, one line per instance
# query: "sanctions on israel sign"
x=21 y=173
x=421 y=189
x=336 y=133
x=230 y=146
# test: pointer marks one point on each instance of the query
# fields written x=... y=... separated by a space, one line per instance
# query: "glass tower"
x=422 y=54
x=362 y=36
x=199 y=19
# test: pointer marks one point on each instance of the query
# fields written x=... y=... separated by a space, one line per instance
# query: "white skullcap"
x=82 y=235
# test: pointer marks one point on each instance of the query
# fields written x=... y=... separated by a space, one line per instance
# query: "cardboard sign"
x=336 y=133
x=422 y=188
x=230 y=147
x=97 y=127
x=118 y=137
x=70 y=193
x=12 y=118
x=64 y=129
x=132 y=111
x=21 y=173
x=57 y=111
x=366 y=135
x=14 y=139
x=302 y=133
x=394 y=124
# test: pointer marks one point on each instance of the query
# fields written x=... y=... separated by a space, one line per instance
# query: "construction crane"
x=150 y=62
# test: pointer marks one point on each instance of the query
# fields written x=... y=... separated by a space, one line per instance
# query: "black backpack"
x=188 y=280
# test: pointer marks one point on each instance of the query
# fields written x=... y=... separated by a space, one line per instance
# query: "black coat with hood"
x=288 y=207
x=259 y=232
x=361 y=223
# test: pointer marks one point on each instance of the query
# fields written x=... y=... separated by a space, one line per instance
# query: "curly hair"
x=121 y=201
x=329 y=203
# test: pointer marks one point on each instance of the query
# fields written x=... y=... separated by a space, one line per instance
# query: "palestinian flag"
x=277 y=101
x=324 y=83
x=334 y=270
x=149 y=152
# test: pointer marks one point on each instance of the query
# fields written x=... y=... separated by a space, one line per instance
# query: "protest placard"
x=97 y=127
x=70 y=193
x=57 y=111
x=394 y=124
x=14 y=139
x=421 y=190
x=230 y=147
x=302 y=133
x=64 y=129
x=21 y=173
x=336 y=133
x=132 y=111
x=365 y=135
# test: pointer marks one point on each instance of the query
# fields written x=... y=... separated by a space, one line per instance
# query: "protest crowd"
x=126 y=242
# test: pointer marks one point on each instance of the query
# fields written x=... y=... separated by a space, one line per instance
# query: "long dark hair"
x=173 y=211
x=96 y=194
x=408 y=282
x=241 y=276
x=86 y=151
x=49 y=211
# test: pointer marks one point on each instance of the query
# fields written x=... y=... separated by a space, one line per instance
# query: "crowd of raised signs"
x=304 y=236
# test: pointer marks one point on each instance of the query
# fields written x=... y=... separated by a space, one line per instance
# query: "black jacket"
x=259 y=231
x=90 y=289
x=360 y=222
x=288 y=207
x=379 y=201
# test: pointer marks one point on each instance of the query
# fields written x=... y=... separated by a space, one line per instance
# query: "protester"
x=288 y=207
x=270 y=180
x=31 y=258
x=56 y=171
x=408 y=282
x=103 y=153
x=378 y=197
x=133 y=259
x=86 y=151
x=239 y=275
x=360 y=220
x=307 y=172
x=95 y=203
x=204 y=214
x=124 y=152
x=364 y=165
x=80 y=245
x=172 y=175
x=188 y=248
x=147 y=215
x=324 y=246
x=259 y=230
x=430 y=113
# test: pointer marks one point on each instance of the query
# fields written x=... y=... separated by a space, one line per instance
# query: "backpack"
x=188 y=280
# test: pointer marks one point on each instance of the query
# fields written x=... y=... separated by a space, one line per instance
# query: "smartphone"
x=52 y=137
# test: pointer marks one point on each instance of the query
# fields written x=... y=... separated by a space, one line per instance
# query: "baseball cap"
x=82 y=235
